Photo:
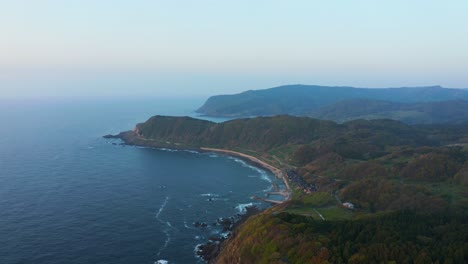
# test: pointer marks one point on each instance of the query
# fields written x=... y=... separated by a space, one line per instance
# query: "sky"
x=204 y=47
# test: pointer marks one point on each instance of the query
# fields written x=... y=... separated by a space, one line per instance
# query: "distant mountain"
x=455 y=111
x=304 y=100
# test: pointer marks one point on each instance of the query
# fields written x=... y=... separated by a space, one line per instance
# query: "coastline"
x=133 y=138
x=210 y=250
x=277 y=172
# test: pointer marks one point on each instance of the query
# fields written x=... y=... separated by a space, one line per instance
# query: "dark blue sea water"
x=69 y=196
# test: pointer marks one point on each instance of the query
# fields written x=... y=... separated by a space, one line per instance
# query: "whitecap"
x=242 y=208
x=197 y=248
x=225 y=234
x=209 y=194
x=161 y=261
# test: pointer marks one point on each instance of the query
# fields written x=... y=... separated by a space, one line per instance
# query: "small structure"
x=348 y=205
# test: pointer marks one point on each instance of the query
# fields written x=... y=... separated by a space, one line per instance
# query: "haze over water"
x=69 y=196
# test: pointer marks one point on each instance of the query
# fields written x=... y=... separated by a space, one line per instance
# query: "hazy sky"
x=175 y=47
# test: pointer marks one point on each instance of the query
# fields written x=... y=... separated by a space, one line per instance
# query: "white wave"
x=268 y=189
x=166 y=243
x=225 y=234
x=243 y=163
x=209 y=194
x=187 y=226
x=246 y=165
x=161 y=261
x=163 y=205
x=217 y=199
x=215 y=232
x=169 y=150
x=192 y=151
x=168 y=224
x=197 y=248
x=265 y=177
x=178 y=150
x=242 y=208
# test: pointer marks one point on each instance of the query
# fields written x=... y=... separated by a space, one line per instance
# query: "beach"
x=276 y=171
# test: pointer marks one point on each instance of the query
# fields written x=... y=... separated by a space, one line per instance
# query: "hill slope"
x=303 y=100
x=268 y=133
x=453 y=111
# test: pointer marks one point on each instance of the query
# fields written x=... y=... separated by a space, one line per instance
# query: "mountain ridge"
x=305 y=100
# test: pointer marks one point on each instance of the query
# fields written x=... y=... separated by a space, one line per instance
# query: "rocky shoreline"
x=210 y=250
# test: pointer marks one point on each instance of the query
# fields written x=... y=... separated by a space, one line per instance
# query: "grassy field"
x=318 y=203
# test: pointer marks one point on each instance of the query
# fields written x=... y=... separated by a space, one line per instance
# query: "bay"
x=69 y=196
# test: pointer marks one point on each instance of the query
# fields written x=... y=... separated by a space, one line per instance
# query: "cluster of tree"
x=358 y=139
x=399 y=237
x=453 y=111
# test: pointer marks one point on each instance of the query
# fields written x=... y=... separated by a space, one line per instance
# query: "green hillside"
x=408 y=185
x=455 y=111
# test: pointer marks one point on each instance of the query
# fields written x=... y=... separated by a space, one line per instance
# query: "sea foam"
x=242 y=208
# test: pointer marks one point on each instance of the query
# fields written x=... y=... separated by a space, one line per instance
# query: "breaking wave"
x=242 y=208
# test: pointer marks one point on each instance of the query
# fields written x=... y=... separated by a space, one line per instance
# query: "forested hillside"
x=453 y=111
x=417 y=105
x=407 y=184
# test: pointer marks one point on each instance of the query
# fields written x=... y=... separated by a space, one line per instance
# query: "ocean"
x=67 y=195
